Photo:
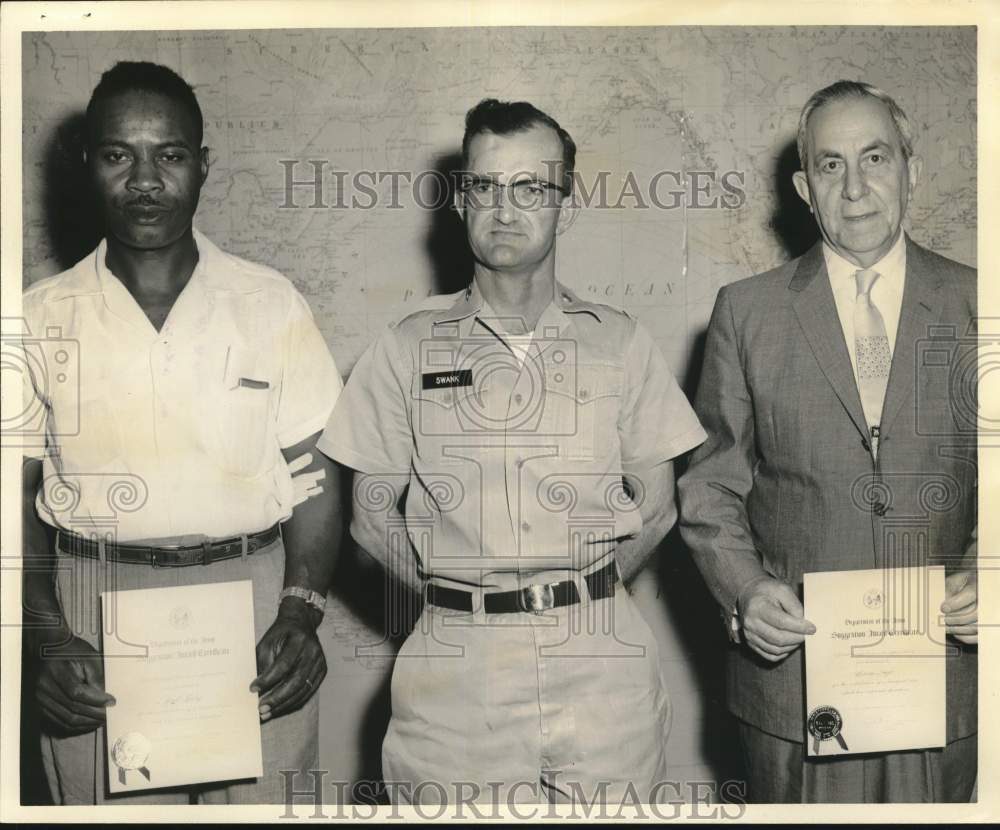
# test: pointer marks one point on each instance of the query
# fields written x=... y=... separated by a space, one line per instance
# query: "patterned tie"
x=871 y=348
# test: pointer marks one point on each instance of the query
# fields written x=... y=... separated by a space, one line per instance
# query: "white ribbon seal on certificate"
x=131 y=751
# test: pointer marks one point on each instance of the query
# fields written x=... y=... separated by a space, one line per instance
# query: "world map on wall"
x=330 y=148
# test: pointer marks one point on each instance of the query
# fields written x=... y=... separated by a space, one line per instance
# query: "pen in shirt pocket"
x=251 y=383
x=233 y=369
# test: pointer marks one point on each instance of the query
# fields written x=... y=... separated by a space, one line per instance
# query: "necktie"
x=871 y=348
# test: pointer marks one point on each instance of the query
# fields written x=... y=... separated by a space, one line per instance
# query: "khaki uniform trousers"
x=528 y=708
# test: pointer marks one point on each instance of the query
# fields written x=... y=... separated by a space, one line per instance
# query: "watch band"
x=734 y=625
x=313 y=598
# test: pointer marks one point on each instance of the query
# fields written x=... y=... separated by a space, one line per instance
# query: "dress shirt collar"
x=891 y=268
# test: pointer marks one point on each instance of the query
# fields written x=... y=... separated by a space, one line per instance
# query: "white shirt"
x=886 y=293
x=156 y=435
x=519 y=344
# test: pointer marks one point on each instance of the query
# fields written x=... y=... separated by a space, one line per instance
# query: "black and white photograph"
x=490 y=415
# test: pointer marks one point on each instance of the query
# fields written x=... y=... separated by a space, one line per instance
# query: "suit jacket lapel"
x=817 y=314
x=921 y=309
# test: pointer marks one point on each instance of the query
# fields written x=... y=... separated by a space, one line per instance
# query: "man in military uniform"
x=532 y=434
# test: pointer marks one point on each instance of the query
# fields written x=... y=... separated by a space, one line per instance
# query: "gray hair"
x=854 y=89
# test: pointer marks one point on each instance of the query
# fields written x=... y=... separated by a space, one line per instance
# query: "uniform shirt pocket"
x=582 y=408
x=454 y=413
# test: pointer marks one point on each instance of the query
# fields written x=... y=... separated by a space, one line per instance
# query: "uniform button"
x=518 y=399
x=525 y=527
x=558 y=377
x=519 y=463
x=583 y=394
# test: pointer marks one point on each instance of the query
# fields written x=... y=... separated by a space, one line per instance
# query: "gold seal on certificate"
x=130 y=752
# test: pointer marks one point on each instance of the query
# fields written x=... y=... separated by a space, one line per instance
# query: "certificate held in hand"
x=179 y=662
x=875 y=668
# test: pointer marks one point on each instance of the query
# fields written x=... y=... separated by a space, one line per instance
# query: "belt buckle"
x=536 y=599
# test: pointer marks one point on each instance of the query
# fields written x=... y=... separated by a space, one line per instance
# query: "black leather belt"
x=533 y=598
x=177 y=556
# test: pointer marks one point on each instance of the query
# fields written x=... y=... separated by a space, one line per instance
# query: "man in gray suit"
x=841 y=423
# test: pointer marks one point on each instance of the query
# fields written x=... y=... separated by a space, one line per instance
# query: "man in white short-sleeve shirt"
x=174 y=384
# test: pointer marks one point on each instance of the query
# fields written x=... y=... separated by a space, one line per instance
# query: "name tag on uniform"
x=447 y=380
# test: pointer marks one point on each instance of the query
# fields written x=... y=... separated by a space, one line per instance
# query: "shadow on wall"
x=71 y=216
x=389 y=609
x=694 y=616
x=793 y=227
x=792 y=223
x=446 y=242
x=692 y=610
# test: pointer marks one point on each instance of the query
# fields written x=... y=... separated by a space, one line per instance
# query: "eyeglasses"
x=527 y=194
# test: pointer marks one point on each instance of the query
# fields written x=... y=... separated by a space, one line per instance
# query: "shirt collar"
x=108 y=282
x=216 y=270
x=220 y=271
x=891 y=268
x=471 y=302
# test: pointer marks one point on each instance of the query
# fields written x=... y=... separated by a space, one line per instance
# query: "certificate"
x=179 y=662
x=875 y=668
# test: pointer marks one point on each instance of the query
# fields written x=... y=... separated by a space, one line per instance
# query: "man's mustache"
x=144 y=201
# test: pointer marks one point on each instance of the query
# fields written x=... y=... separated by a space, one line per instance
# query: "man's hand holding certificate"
x=875 y=668
x=179 y=662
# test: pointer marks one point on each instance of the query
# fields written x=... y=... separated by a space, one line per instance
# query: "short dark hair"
x=142 y=76
x=838 y=91
x=506 y=117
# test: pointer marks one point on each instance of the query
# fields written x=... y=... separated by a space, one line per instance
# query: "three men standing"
x=513 y=451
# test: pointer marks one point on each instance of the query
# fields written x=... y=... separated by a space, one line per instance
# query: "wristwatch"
x=313 y=598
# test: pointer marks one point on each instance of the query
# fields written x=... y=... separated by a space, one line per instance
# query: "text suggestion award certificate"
x=179 y=662
x=875 y=668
